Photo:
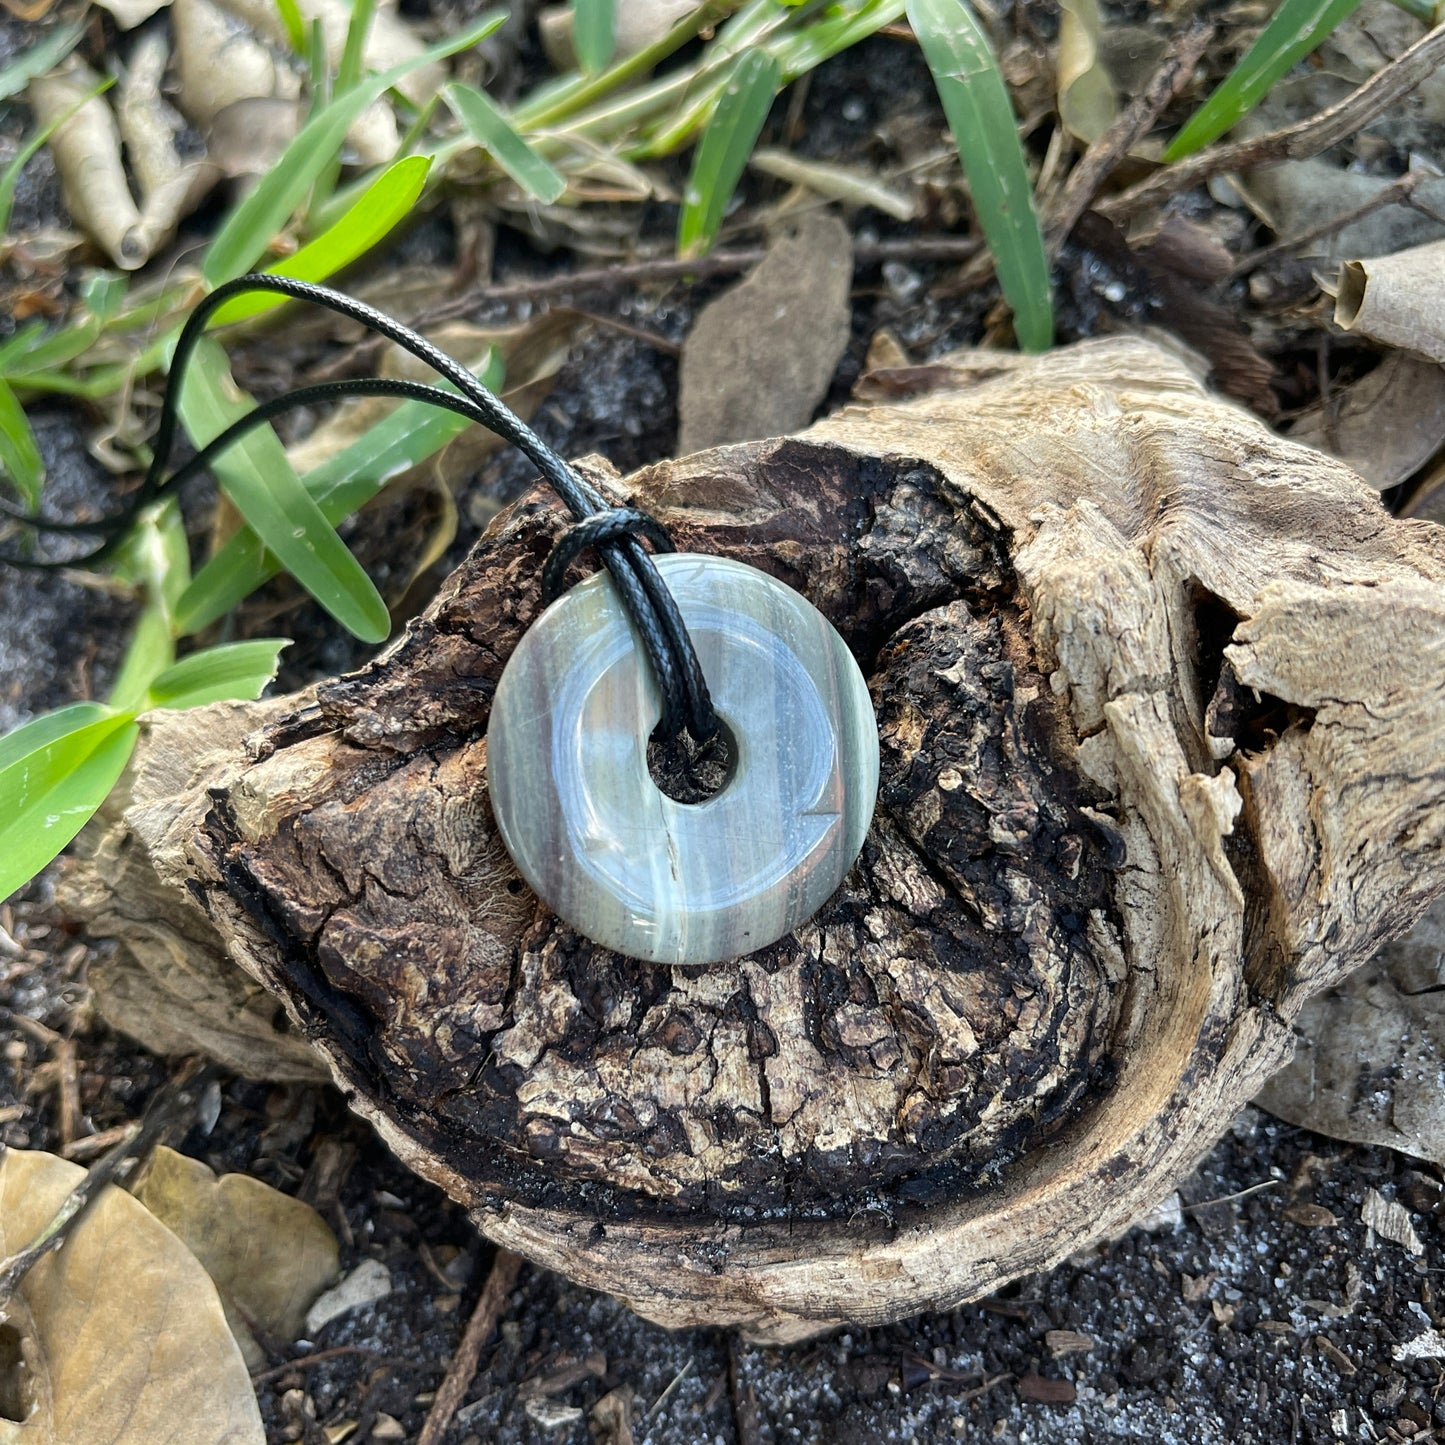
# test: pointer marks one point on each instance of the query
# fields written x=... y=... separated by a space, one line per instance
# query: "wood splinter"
x=1163 y=755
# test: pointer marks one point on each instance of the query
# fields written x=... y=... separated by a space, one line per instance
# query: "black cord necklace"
x=613 y=531
x=636 y=870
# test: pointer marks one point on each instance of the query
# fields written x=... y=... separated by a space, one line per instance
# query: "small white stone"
x=367 y=1283
x=1429 y=1346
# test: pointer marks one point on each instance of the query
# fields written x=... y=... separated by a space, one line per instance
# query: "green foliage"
x=54 y=785
x=19 y=455
x=728 y=141
x=594 y=32
x=410 y=434
x=291 y=18
x=257 y=475
x=248 y=231
x=1296 y=28
x=976 y=102
x=233 y=670
x=383 y=206
x=491 y=130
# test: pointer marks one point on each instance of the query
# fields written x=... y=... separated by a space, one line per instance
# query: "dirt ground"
x=1263 y=1309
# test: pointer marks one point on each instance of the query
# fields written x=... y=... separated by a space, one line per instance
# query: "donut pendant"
x=596 y=838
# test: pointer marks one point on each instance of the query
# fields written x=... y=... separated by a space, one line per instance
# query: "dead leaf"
x=1397 y=299
x=1429 y=1346
x=1045 y=1391
x=269 y=1255
x=1088 y=102
x=759 y=358
x=1387 y=425
x=1298 y=196
x=611 y=1418
x=532 y=354
x=849 y=185
x=1062 y=1343
x=1390 y=1220
x=1370 y=1052
x=122 y=1330
x=1311 y=1216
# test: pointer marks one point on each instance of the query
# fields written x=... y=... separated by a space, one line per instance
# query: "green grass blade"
x=257 y=476
x=290 y=13
x=380 y=209
x=260 y=218
x=10 y=177
x=40 y=732
x=234 y=670
x=594 y=32
x=157 y=556
x=975 y=100
x=491 y=130
x=40 y=58
x=1295 y=29
x=348 y=72
x=411 y=433
x=723 y=151
x=49 y=793
x=19 y=456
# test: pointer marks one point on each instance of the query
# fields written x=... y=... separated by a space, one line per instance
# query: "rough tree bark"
x=1163 y=731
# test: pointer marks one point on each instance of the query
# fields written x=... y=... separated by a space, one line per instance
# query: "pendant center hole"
x=689 y=771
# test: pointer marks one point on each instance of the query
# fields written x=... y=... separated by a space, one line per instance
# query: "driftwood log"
x=1162 y=706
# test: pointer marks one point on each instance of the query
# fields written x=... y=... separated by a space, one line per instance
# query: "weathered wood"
x=1163 y=754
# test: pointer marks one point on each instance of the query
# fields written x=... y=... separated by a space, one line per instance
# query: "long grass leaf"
x=41 y=731
x=49 y=793
x=411 y=433
x=492 y=131
x=19 y=456
x=376 y=213
x=1295 y=29
x=233 y=670
x=258 y=477
x=293 y=23
x=256 y=222
x=348 y=72
x=40 y=58
x=976 y=102
x=723 y=151
x=156 y=555
x=594 y=32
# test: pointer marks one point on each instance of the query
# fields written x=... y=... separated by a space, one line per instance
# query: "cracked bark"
x=1161 y=716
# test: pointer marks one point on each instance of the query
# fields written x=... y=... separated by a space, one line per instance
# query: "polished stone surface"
x=588 y=828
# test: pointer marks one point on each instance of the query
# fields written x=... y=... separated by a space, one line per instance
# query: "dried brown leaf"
x=1088 y=102
x=122 y=1329
x=1387 y=425
x=1397 y=299
x=1370 y=1052
x=759 y=359
x=269 y=1255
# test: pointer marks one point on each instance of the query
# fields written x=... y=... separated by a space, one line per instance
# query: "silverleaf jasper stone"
x=599 y=841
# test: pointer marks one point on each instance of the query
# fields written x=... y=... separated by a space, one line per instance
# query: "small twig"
x=657 y=269
x=479 y=1328
x=1397 y=191
x=744 y=1401
x=1134 y=122
x=168 y=1108
x=1230 y=1198
x=305 y=1362
x=677 y=1379
x=1295 y=142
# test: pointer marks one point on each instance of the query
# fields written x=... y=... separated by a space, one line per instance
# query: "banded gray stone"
x=598 y=840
